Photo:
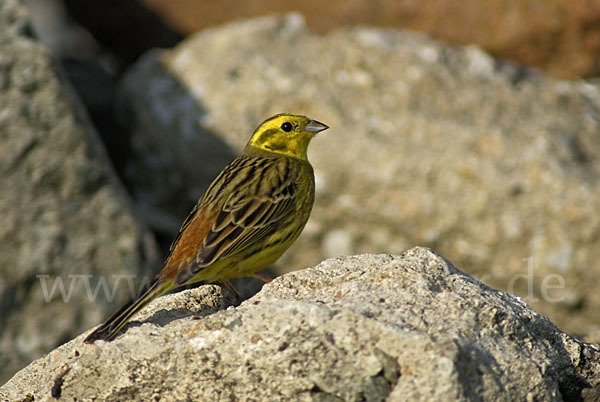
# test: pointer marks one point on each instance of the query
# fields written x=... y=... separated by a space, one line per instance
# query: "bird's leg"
x=263 y=277
x=232 y=289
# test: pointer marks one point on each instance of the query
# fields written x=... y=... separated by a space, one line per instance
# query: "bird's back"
x=252 y=212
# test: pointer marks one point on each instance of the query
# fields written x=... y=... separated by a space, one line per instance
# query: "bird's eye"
x=287 y=126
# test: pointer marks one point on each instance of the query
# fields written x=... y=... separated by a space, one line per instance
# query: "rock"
x=368 y=327
x=492 y=164
x=559 y=36
x=66 y=224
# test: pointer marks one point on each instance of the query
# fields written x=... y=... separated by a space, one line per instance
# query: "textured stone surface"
x=369 y=327
x=493 y=165
x=64 y=218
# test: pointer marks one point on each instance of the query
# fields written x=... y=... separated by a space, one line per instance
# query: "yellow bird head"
x=285 y=134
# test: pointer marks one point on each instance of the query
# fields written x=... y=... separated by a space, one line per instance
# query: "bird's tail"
x=109 y=330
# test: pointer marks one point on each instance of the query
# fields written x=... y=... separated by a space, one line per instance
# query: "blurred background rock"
x=559 y=36
x=97 y=39
x=489 y=162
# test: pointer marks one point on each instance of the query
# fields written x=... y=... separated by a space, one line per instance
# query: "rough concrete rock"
x=494 y=165
x=368 y=327
x=64 y=218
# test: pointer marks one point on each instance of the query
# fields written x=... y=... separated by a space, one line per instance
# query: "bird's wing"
x=247 y=211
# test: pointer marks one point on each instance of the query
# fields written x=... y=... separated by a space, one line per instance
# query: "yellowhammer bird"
x=251 y=213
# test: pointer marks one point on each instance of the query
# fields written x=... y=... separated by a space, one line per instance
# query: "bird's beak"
x=314 y=126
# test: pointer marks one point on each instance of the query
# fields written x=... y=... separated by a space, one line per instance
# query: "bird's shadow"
x=247 y=287
x=165 y=316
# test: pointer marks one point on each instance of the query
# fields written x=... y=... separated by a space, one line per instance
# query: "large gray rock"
x=368 y=327
x=64 y=218
x=494 y=165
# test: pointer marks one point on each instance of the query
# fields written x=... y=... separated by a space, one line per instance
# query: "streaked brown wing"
x=242 y=231
x=252 y=211
x=199 y=221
